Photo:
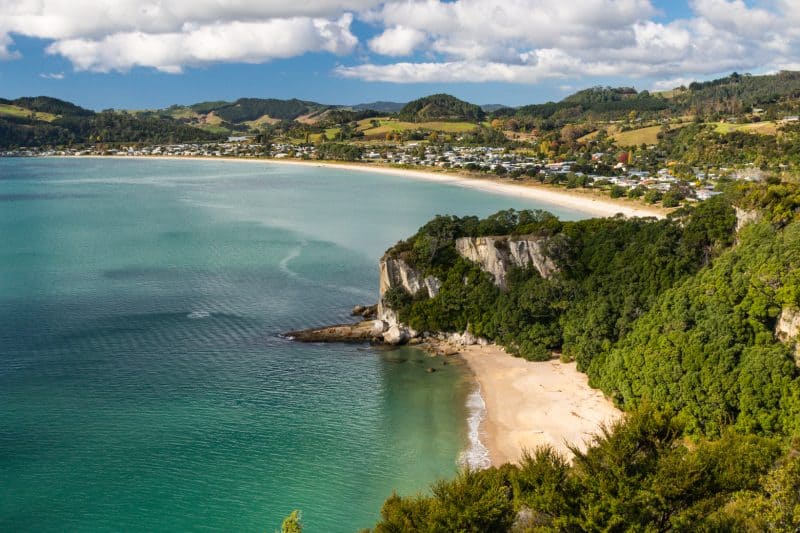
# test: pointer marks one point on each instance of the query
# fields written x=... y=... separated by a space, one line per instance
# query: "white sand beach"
x=587 y=201
x=590 y=202
x=529 y=404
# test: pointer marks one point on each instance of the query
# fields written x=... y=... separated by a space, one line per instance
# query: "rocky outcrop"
x=365 y=311
x=395 y=272
x=744 y=217
x=368 y=330
x=496 y=255
x=787 y=329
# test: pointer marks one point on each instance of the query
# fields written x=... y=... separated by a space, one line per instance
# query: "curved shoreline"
x=531 y=404
x=589 y=202
x=504 y=417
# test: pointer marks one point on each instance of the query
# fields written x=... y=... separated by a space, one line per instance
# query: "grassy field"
x=636 y=137
x=764 y=128
x=648 y=135
x=391 y=125
x=20 y=112
x=260 y=121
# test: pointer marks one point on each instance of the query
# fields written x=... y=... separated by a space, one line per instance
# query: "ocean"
x=144 y=385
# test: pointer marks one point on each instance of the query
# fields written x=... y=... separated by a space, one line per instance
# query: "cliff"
x=397 y=273
x=787 y=330
x=745 y=216
x=497 y=255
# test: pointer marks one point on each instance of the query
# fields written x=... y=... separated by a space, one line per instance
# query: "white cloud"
x=671 y=83
x=52 y=75
x=397 y=41
x=104 y=36
x=247 y=42
x=5 y=44
x=521 y=41
x=527 y=41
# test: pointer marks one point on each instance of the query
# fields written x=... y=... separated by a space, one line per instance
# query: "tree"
x=292 y=523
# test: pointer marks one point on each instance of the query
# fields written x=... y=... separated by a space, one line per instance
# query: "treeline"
x=739 y=93
x=638 y=475
x=73 y=127
x=339 y=151
x=736 y=94
x=46 y=104
x=597 y=103
x=246 y=109
x=700 y=145
x=663 y=311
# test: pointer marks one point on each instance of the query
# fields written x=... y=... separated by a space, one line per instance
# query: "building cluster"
x=413 y=154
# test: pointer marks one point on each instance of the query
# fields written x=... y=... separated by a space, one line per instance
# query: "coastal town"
x=621 y=181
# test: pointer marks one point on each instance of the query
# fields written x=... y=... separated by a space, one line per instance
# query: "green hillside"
x=441 y=107
x=44 y=121
x=676 y=320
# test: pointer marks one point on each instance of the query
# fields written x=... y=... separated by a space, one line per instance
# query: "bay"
x=143 y=382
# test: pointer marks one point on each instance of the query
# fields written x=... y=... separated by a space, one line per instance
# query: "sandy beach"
x=529 y=404
x=587 y=201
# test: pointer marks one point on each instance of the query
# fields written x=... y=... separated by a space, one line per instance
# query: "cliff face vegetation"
x=690 y=324
x=668 y=312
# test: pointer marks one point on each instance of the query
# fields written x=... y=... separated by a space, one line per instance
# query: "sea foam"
x=476 y=455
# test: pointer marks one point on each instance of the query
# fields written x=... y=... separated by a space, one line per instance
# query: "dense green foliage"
x=637 y=475
x=707 y=347
x=674 y=319
x=292 y=523
x=380 y=106
x=75 y=125
x=740 y=93
x=441 y=107
x=700 y=145
x=46 y=104
x=596 y=103
x=666 y=312
x=103 y=127
x=252 y=108
x=339 y=151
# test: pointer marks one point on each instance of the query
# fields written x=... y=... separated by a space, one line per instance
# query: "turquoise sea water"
x=143 y=384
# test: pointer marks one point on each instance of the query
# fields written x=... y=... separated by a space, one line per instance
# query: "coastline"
x=588 y=202
x=517 y=405
x=530 y=404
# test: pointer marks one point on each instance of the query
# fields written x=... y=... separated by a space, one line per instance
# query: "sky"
x=143 y=54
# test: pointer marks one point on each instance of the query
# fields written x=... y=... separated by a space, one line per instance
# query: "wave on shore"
x=476 y=455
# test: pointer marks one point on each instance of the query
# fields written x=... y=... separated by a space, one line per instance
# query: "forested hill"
x=42 y=120
x=606 y=103
x=776 y=94
x=688 y=324
x=246 y=109
x=669 y=311
x=441 y=107
x=739 y=93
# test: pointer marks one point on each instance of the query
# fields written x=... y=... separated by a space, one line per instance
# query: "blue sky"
x=140 y=54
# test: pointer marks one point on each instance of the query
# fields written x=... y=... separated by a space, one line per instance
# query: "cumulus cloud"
x=527 y=41
x=397 y=41
x=5 y=44
x=520 y=41
x=105 y=36
x=247 y=42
